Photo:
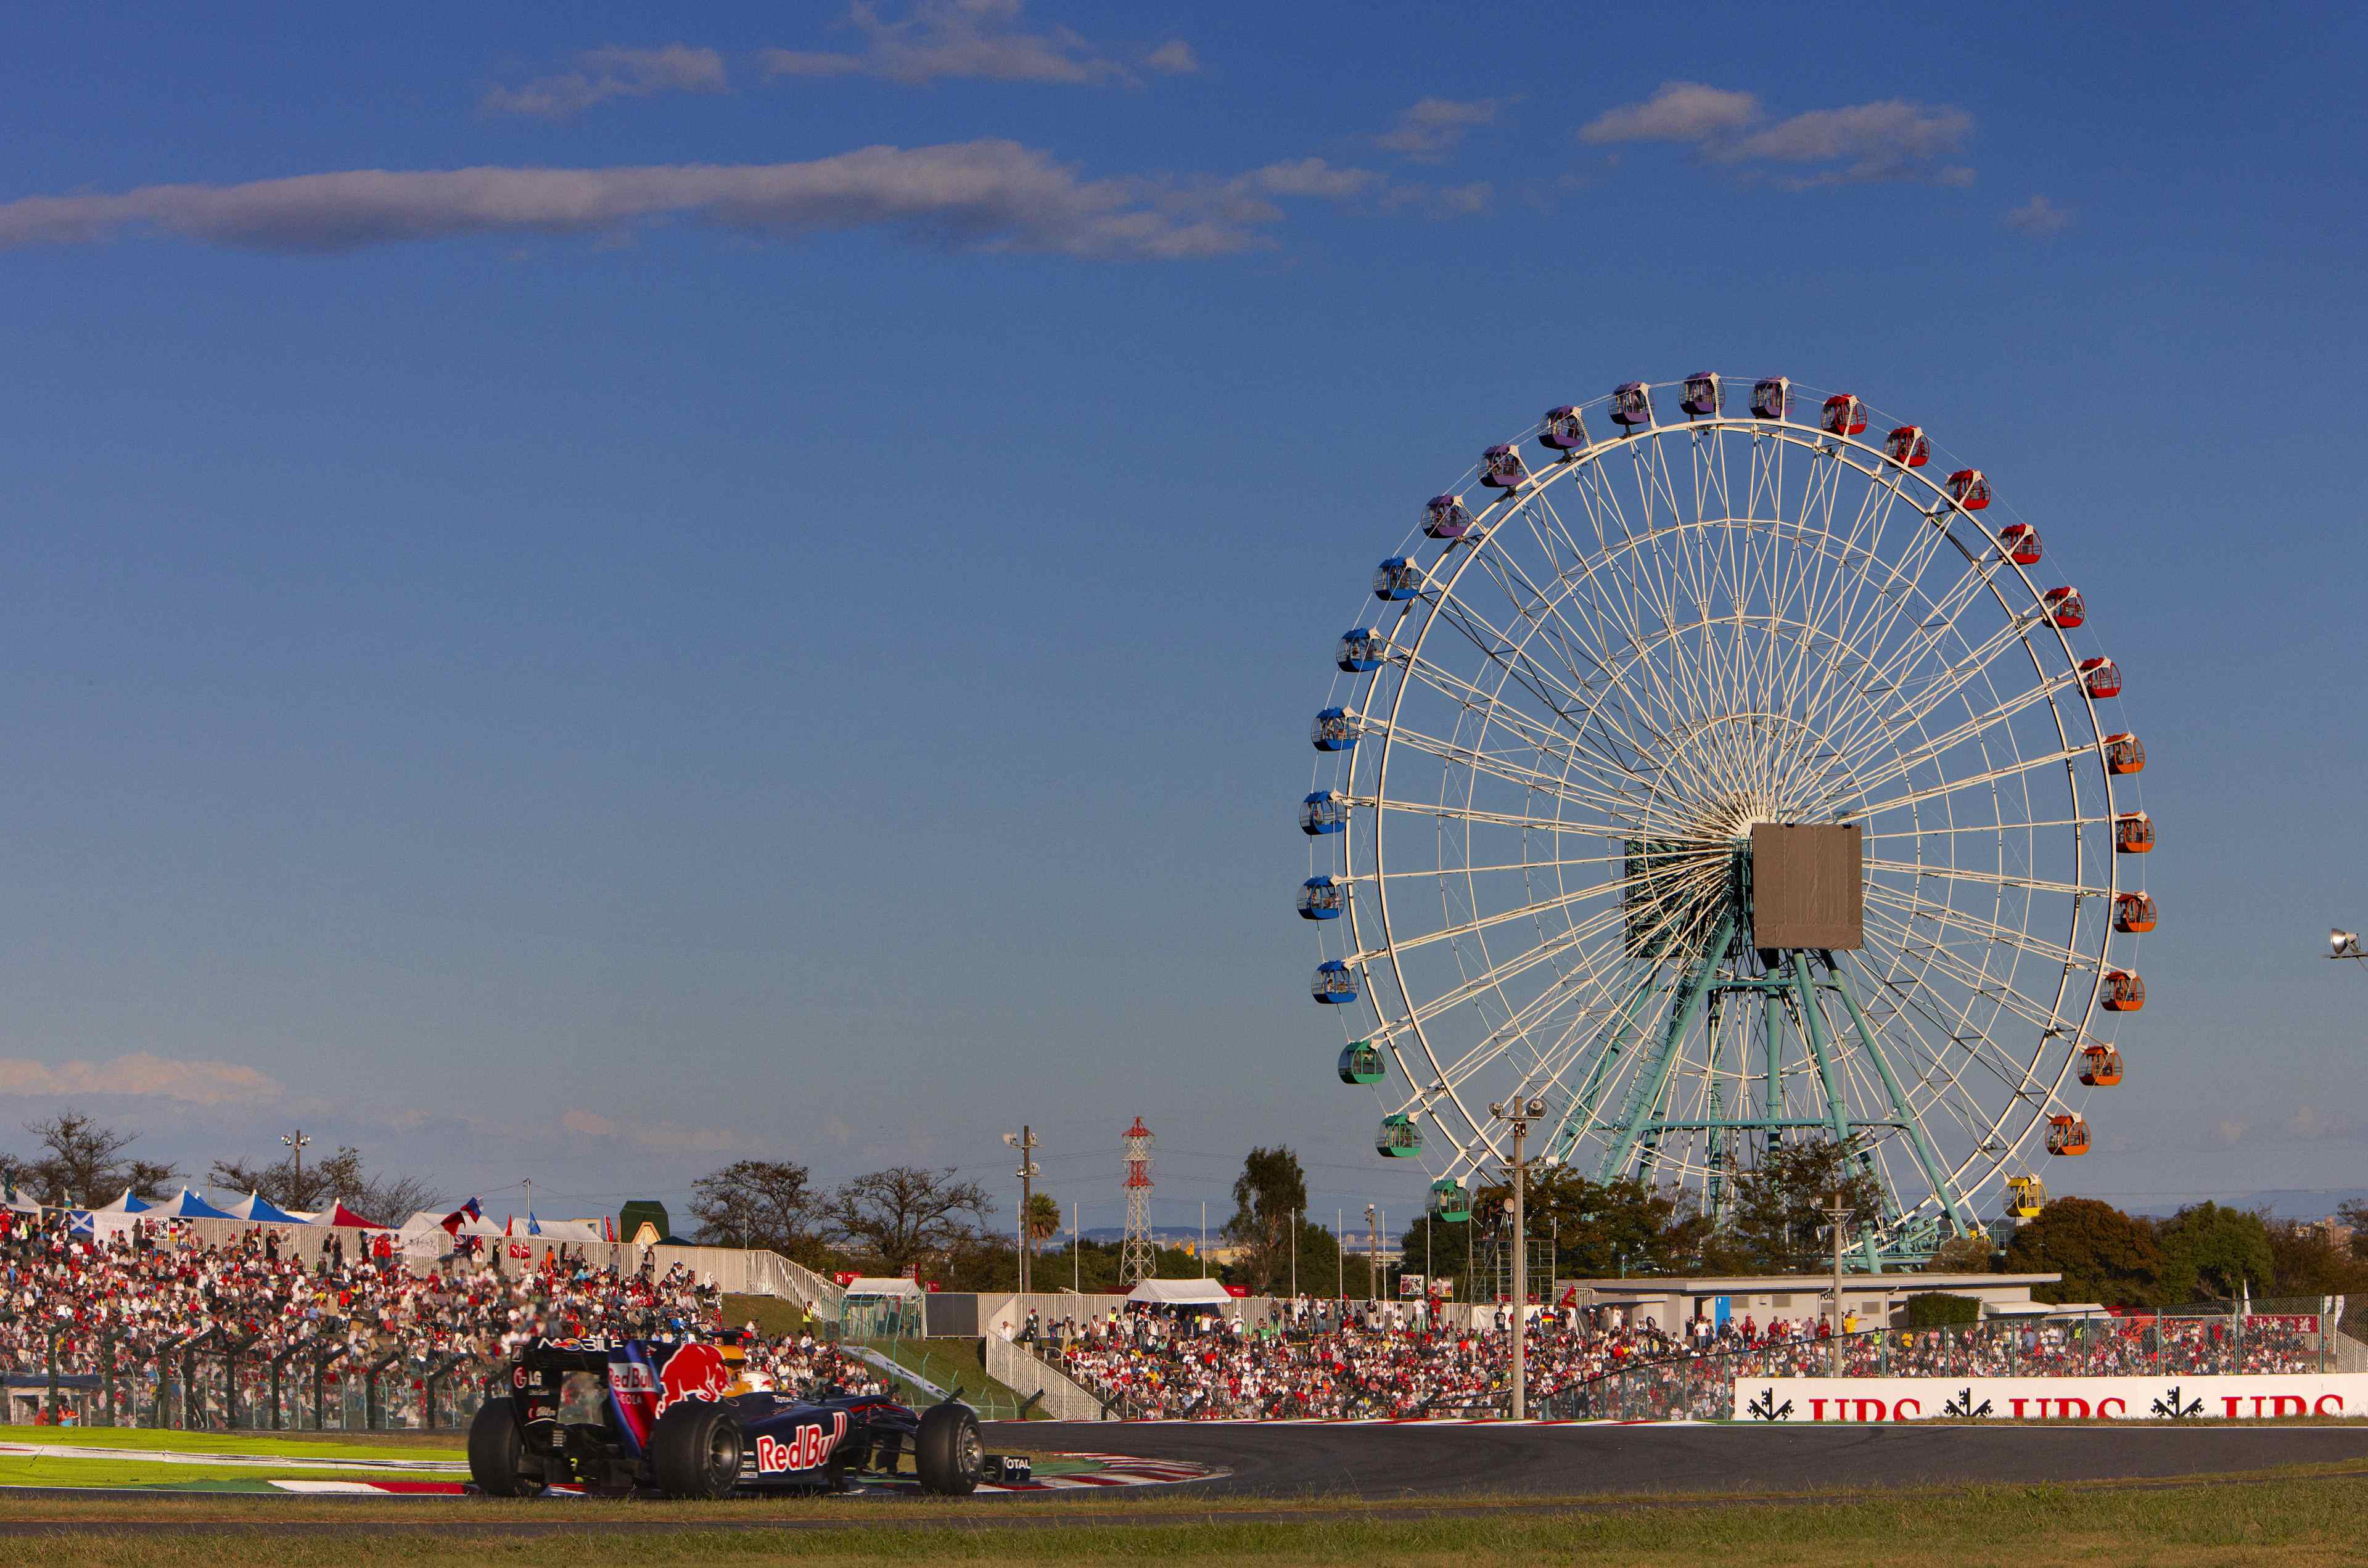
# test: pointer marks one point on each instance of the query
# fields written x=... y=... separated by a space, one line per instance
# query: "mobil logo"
x=806 y=1447
x=693 y=1371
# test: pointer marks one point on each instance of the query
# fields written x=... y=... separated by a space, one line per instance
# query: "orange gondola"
x=2066 y=1135
x=2124 y=754
x=2100 y=1066
x=2124 y=990
x=2133 y=911
x=2134 y=833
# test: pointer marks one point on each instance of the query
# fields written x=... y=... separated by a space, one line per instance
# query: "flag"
x=608 y=1227
x=533 y=1228
x=462 y=1216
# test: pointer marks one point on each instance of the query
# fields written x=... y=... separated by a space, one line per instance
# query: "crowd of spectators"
x=131 y=1305
x=1309 y=1359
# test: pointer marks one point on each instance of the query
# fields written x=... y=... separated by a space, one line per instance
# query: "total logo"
x=807 y=1448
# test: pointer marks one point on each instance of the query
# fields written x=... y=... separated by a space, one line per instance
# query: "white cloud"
x=665 y=1136
x=1440 y=201
x=1677 y=111
x=2039 y=216
x=1312 y=177
x=1174 y=58
x=988 y=195
x=1432 y=128
x=591 y=1124
x=2229 y=1131
x=140 y=1074
x=604 y=73
x=1887 y=140
x=967 y=39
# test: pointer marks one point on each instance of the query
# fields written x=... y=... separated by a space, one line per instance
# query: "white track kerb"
x=1562 y=711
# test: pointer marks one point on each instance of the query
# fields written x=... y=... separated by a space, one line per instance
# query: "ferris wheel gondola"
x=1725 y=782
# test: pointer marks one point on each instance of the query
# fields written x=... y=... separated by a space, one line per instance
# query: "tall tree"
x=905 y=1213
x=2207 y=1249
x=769 y=1204
x=1269 y=1191
x=1043 y=1217
x=2103 y=1255
x=83 y=1160
x=1780 y=1224
x=340 y=1178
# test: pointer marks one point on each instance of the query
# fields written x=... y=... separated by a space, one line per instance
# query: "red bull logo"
x=695 y=1371
x=808 y=1448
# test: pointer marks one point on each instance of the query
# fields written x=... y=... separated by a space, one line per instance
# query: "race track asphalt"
x=1405 y=1462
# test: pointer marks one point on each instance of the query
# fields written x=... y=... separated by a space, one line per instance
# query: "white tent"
x=562 y=1231
x=883 y=1285
x=128 y=1202
x=1180 y=1293
x=16 y=1200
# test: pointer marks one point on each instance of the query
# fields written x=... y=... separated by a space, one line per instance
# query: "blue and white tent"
x=129 y=1203
x=262 y=1212
x=188 y=1205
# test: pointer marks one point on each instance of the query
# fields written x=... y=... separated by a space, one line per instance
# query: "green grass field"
x=295 y=1445
x=2290 y=1518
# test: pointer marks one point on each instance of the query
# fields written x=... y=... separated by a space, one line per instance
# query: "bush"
x=1937 y=1309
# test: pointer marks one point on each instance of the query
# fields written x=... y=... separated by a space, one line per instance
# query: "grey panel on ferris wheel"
x=1808 y=886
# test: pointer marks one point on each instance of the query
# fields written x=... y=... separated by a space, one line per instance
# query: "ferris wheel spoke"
x=1989 y=878
x=1912 y=909
x=2015 y=769
x=1567 y=744
x=1976 y=724
x=1939 y=1070
x=1975 y=978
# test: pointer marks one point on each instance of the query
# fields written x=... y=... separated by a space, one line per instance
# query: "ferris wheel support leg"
x=1772 y=1008
x=1613 y=1043
x=1943 y=1185
x=1652 y=1079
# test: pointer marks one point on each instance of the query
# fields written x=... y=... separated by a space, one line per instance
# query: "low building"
x=1875 y=1300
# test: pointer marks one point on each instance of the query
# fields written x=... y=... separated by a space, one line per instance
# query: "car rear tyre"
x=947 y=1453
x=695 y=1449
x=497 y=1461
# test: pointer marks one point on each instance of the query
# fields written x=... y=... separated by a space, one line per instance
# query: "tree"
x=1962 y=1255
x=82 y=1161
x=767 y=1204
x=342 y=1176
x=1044 y=1219
x=1780 y=1224
x=906 y=1212
x=1269 y=1191
x=2208 y=1248
x=2309 y=1262
x=2103 y=1255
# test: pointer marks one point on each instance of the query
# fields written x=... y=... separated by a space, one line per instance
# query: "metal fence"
x=210 y=1382
x=2186 y=1342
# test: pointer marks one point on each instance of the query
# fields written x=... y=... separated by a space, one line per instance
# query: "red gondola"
x=2066 y=1135
x=2102 y=676
x=2066 y=608
x=1969 y=490
x=2020 y=542
x=2124 y=991
x=2124 y=754
x=1908 y=447
x=2134 y=833
x=2100 y=1066
x=2133 y=911
x=1845 y=416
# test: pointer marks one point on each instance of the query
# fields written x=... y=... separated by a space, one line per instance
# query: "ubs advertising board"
x=1876 y=1401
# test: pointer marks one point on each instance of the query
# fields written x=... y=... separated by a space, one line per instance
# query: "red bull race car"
x=681 y=1419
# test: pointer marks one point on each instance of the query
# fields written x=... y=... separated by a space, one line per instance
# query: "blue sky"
x=587 y=597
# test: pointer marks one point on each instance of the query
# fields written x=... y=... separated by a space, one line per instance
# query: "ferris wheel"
x=1723 y=780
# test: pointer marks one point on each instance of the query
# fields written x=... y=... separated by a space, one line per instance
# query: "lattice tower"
x=1135 y=1258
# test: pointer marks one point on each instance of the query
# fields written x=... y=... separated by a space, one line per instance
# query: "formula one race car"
x=680 y=1419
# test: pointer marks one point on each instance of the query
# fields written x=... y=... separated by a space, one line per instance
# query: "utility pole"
x=1340 y=1255
x=1205 y=1238
x=296 y=1141
x=1025 y=1141
x=1841 y=1217
x=1372 y=1256
x=1294 y=1255
x=1519 y=1116
x=1076 y=1270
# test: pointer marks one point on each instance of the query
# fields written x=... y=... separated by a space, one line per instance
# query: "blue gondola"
x=1443 y=517
x=1562 y=430
x=1705 y=395
x=1450 y=1203
x=1772 y=398
x=1327 y=811
x=1360 y=1062
x=1334 y=729
x=1333 y=985
x=1399 y=1137
x=1323 y=897
x=1362 y=649
x=1632 y=405
x=1501 y=469
x=1396 y=578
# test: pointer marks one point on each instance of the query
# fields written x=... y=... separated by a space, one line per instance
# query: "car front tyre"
x=947 y=1453
x=695 y=1448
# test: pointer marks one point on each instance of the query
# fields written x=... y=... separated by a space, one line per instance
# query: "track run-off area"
x=1312 y=1471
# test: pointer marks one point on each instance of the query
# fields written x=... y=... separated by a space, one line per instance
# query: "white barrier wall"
x=1873 y=1401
